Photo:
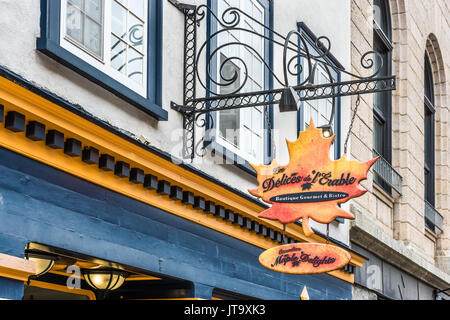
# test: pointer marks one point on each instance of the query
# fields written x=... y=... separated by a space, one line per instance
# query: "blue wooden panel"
x=41 y=204
x=11 y=289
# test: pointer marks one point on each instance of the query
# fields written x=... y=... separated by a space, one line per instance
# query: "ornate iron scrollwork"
x=293 y=51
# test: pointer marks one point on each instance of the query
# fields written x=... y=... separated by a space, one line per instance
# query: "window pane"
x=315 y=116
x=323 y=108
x=329 y=107
x=135 y=65
x=246 y=117
x=378 y=136
x=119 y=20
x=322 y=121
x=127 y=24
x=78 y=3
x=248 y=58
x=118 y=55
x=381 y=15
x=94 y=9
x=429 y=90
x=257 y=43
x=323 y=79
x=246 y=141
x=429 y=188
x=74 y=23
x=137 y=7
x=229 y=75
x=234 y=3
x=229 y=121
x=249 y=120
x=247 y=7
x=307 y=114
x=246 y=37
x=258 y=15
x=256 y=120
x=93 y=36
x=222 y=38
x=257 y=70
x=256 y=146
x=136 y=33
x=427 y=136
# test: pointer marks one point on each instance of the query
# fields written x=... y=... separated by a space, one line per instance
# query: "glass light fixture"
x=44 y=261
x=104 y=279
x=327 y=130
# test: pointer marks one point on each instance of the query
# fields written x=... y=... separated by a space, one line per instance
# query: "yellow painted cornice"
x=16 y=268
x=17 y=98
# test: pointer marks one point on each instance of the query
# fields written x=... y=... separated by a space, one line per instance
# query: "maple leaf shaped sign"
x=311 y=185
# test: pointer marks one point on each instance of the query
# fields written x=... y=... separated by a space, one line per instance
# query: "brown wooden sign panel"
x=305 y=258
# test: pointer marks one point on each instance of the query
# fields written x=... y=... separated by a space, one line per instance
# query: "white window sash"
x=315 y=104
x=221 y=140
x=103 y=64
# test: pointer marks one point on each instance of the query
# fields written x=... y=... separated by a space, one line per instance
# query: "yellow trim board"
x=34 y=107
x=16 y=268
x=57 y=287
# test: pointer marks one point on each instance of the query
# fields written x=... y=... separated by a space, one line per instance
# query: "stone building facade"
x=394 y=228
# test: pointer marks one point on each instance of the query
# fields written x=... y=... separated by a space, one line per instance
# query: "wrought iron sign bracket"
x=287 y=96
x=183 y=7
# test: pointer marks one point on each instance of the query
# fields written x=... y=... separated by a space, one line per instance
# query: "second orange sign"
x=304 y=258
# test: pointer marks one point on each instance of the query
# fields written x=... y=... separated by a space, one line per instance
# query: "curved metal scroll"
x=295 y=47
x=230 y=21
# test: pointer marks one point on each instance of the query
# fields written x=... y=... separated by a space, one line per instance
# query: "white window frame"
x=239 y=151
x=307 y=105
x=103 y=63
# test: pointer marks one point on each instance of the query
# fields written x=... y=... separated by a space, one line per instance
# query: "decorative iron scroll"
x=325 y=91
x=294 y=45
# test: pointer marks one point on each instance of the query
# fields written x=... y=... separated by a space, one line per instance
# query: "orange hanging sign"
x=311 y=185
x=304 y=258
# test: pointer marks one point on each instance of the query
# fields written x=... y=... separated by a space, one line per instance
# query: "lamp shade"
x=104 y=279
x=289 y=100
x=44 y=261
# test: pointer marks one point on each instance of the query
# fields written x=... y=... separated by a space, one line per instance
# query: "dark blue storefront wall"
x=11 y=289
x=44 y=205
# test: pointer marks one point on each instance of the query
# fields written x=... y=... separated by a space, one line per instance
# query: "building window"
x=241 y=132
x=382 y=101
x=433 y=218
x=429 y=134
x=84 y=24
x=115 y=43
x=320 y=111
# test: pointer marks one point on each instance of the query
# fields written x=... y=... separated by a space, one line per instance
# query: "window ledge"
x=387 y=173
x=383 y=195
x=431 y=235
x=61 y=55
x=434 y=217
x=238 y=161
